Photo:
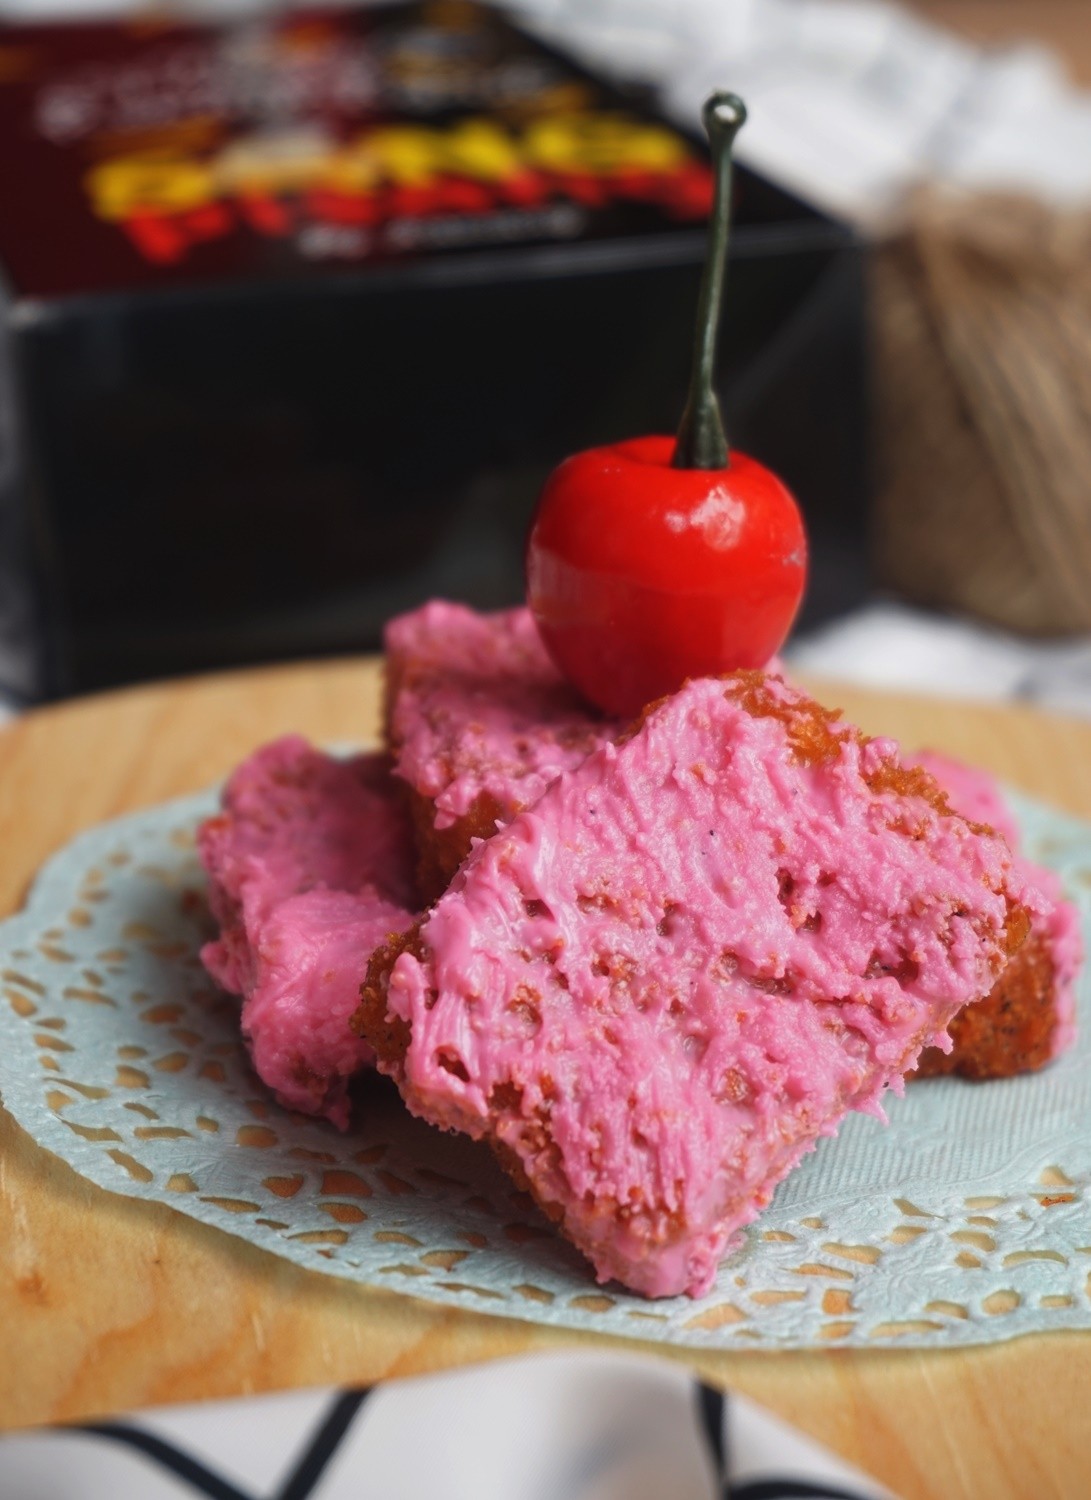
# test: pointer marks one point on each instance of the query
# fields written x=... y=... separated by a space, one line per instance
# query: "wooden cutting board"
x=107 y=1303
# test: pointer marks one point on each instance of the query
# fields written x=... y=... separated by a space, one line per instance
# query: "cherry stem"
x=701 y=441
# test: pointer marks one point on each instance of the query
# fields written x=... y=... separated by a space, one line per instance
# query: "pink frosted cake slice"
x=656 y=989
x=309 y=872
x=1029 y=1017
x=479 y=723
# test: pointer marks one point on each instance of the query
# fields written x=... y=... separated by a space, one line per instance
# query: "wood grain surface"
x=107 y=1303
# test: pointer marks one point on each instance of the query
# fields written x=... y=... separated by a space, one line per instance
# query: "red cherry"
x=659 y=559
x=640 y=574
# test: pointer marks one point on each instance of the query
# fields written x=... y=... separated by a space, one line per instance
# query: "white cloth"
x=851 y=102
x=549 y=1427
x=894 y=646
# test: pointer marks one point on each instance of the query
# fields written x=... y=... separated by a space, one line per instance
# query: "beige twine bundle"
x=982 y=314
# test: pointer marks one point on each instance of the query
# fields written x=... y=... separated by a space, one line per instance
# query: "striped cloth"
x=551 y=1427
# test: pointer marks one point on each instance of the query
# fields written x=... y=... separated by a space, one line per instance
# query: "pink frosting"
x=309 y=871
x=977 y=795
x=660 y=985
x=480 y=707
x=973 y=793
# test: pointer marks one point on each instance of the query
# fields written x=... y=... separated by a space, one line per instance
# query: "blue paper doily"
x=967 y=1220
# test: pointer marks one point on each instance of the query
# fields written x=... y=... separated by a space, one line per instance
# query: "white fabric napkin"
x=852 y=103
x=892 y=646
x=597 y=1426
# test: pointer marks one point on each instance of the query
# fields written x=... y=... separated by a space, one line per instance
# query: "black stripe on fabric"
x=323 y=1445
x=790 y=1489
x=182 y=1465
x=710 y=1410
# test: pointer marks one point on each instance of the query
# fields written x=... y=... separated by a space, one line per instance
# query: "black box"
x=298 y=316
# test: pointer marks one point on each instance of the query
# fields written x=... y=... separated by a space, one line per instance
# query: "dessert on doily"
x=671 y=919
x=309 y=871
x=654 y=990
x=479 y=722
